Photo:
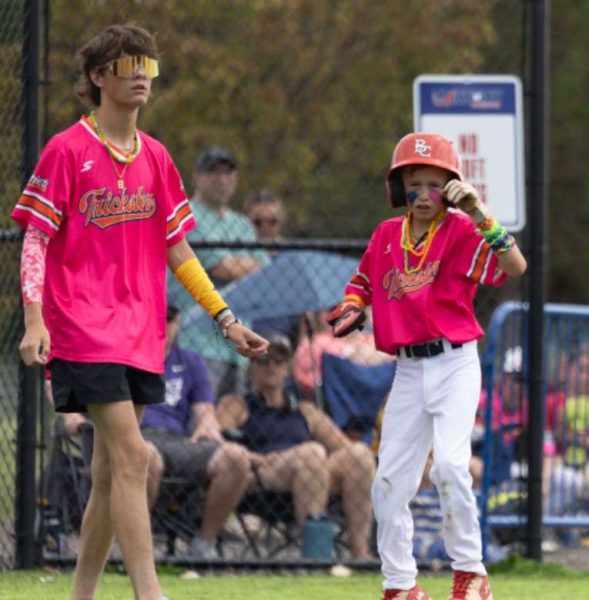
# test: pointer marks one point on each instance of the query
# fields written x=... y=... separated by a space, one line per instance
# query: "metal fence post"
x=537 y=283
x=28 y=393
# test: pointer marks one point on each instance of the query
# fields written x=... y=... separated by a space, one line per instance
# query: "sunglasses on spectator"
x=127 y=67
x=271 y=221
x=277 y=359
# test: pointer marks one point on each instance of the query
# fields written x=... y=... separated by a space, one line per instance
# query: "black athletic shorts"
x=77 y=384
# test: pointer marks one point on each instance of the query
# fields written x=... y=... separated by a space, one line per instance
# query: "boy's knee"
x=449 y=478
x=132 y=460
x=386 y=498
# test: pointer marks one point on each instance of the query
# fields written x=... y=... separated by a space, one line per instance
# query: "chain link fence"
x=11 y=41
x=310 y=112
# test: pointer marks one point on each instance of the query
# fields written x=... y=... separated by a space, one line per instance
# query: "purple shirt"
x=187 y=382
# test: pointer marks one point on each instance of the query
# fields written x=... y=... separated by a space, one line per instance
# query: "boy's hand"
x=35 y=345
x=248 y=343
x=464 y=196
x=346 y=317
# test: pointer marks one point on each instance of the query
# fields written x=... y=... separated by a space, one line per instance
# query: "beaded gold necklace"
x=115 y=153
x=408 y=245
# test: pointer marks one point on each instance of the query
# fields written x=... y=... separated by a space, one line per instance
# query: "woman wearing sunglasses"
x=105 y=214
x=295 y=447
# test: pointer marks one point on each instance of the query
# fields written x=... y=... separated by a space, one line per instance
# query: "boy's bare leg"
x=117 y=425
x=96 y=534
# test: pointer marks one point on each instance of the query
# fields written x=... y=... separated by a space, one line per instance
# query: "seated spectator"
x=265 y=210
x=186 y=435
x=508 y=418
x=296 y=448
x=316 y=338
x=572 y=430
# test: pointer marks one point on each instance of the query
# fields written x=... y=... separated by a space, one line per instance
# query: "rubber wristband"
x=226 y=312
x=486 y=224
x=504 y=244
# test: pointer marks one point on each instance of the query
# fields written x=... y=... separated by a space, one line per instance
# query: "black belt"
x=425 y=350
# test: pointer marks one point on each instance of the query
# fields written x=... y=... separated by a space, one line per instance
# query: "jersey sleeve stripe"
x=179 y=215
x=187 y=223
x=479 y=261
x=360 y=285
x=28 y=193
x=485 y=272
x=18 y=216
x=41 y=208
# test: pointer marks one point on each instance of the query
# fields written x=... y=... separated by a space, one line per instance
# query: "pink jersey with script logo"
x=434 y=302
x=104 y=298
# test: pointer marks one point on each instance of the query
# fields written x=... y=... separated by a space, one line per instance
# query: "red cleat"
x=470 y=586
x=415 y=593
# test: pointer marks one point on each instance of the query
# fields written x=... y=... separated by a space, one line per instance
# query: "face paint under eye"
x=412 y=197
x=435 y=197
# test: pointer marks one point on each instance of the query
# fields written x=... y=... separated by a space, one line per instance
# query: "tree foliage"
x=311 y=95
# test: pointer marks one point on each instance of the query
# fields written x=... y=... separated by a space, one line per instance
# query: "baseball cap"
x=279 y=349
x=208 y=159
x=279 y=343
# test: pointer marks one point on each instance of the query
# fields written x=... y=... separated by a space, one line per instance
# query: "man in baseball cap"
x=210 y=158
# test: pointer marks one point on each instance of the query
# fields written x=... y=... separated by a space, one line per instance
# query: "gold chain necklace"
x=115 y=153
x=408 y=245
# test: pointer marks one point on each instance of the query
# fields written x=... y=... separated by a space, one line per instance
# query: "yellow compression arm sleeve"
x=197 y=283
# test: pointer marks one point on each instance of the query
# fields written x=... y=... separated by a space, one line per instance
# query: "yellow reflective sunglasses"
x=126 y=67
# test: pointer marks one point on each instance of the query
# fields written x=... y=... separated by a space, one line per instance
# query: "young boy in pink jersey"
x=105 y=213
x=420 y=273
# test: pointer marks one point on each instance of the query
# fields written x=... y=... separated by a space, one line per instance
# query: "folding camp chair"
x=177 y=513
x=353 y=393
x=64 y=487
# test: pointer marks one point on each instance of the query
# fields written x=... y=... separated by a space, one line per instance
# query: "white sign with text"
x=482 y=115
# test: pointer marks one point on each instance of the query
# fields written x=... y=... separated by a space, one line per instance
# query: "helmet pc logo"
x=422 y=148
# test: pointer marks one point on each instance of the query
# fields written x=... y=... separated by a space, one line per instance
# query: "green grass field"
x=517 y=580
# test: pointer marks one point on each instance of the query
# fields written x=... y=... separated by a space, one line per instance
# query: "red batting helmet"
x=429 y=149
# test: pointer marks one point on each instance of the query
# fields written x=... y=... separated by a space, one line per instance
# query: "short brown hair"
x=111 y=43
x=262 y=196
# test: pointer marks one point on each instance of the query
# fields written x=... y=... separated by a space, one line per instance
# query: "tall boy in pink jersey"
x=105 y=213
x=420 y=274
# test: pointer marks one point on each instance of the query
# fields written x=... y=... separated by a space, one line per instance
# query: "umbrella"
x=294 y=282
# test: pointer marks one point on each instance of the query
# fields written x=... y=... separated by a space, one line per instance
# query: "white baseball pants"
x=433 y=401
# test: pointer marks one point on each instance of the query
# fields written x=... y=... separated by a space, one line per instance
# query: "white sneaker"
x=200 y=549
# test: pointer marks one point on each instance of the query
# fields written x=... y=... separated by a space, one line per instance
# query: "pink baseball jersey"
x=104 y=298
x=434 y=302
